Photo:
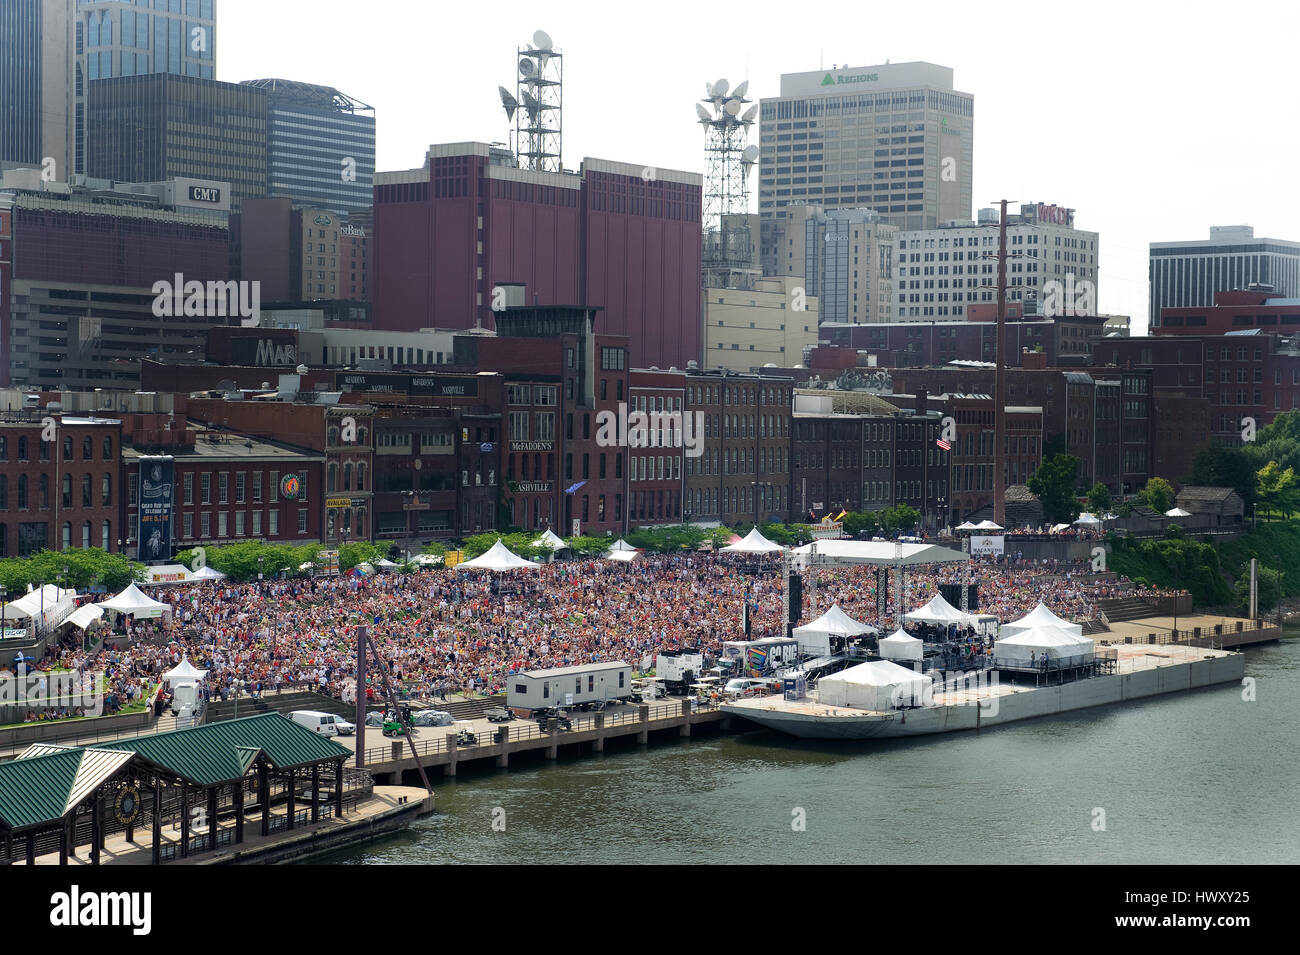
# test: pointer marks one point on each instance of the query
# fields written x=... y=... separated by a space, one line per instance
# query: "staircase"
x=1091 y=627
x=1118 y=609
x=277 y=703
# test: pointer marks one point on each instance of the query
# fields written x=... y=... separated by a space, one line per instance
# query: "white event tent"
x=208 y=573
x=815 y=637
x=185 y=670
x=901 y=645
x=622 y=556
x=876 y=685
x=1040 y=616
x=1177 y=512
x=134 y=602
x=622 y=545
x=552 y=540
x=498 y=557
x=1028 y=647
x=754 y=543
x=43 y=607
x=83 y=617
x=940 y=613
x=844 y=553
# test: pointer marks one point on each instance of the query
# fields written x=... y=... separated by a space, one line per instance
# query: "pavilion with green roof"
x=55 y=796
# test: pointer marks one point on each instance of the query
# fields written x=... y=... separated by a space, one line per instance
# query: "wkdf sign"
x=987 y=545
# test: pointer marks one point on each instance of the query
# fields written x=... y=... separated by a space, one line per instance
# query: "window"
x=257 y=487
x=205 y=489
x=240 y=481
x=108 y=448
x=87 y=448
x=107 y=490
x=302 y=520
x=67 y=490
x=222 y=527
x=223 y=488
x=187 y=484
x=205 y=524
x=273 y=525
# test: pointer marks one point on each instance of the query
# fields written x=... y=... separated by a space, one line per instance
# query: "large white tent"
x=498 y=557
x=832 y=553
x=815 y=637
x=208 y=573
x=1087 y=520
x=134 y=602
x=623 y=556
x=940 y=613
x=901 y=645
x=167 y=574
x=621 y=544
x=989 y=526
x=552 y=540
x=185 y=670
x=1028 y=647
x=45 y=606
x=875 y=685
x=1040 y=616
x=83 y=617
x=754 y=543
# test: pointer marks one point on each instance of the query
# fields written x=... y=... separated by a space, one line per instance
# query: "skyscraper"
x=121 y=38
x=320 y=145
x=35 y=75
x=895 y=138
x=1187 y=274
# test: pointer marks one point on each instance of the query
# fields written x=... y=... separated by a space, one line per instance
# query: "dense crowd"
x=440 y=631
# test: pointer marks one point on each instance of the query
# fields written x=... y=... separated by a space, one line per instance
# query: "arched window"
x=22 y=448
x=361 y=477
x=87 y=448
x=105 y=535
x=107 y=489
x=22 y=492
x=333 y=476
x=333 y=436
x=347 y=476
x=67 y=535
x=85 y=534
x=85 y=490
x=45 y=492
x=67 y=447
x=67 y=490
x=108 y=448
x=362 y=434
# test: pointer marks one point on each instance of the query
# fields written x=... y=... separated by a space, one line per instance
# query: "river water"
x=1198 y=777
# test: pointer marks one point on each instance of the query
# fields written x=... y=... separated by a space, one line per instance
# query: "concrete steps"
x=1119 y=609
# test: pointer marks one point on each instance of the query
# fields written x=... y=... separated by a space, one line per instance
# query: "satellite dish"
x=720 y=88
x=527 y=67
x=542 y=40
x=750 y=114
x=750 y=154
x=708 y=90
x=703 y=114
x=508 y=101
x=531 y=104
x=733 y=107
x=741 y=89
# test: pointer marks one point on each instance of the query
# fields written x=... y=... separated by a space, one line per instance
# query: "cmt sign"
x=205 y=194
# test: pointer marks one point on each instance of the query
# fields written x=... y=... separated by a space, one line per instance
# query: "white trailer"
x=679 y=668
x=577 y=686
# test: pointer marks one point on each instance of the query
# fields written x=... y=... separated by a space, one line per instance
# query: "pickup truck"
x=498 y=714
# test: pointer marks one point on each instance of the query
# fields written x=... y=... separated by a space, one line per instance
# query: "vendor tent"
x=815 y=637
x=1087 y=520
x=754 y=543
x=1177 y=512
x=879 y=685
x=989 y=526
x=134 y=602
x=83 y=617
x=498 y=558
x=623 y=556
x=551 y=540
x=836 y=553
x=938 y=612
x=167 y=574
x=900 y=645
x=1029 y=647
x=183 y=671
x=967 y=526
x=1040 y=616
x=427 y=560
x=621 y=544
x=384 y=564
x=208 y=573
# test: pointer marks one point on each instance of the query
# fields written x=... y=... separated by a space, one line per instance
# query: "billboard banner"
x=157 y=487
x=987 y=545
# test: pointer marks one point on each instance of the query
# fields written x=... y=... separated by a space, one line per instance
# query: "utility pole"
x=999 y=380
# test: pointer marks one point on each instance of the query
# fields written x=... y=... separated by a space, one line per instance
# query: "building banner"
x=987 y=545
x=157 y=487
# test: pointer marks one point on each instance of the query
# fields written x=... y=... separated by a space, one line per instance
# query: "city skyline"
x=1158 y=187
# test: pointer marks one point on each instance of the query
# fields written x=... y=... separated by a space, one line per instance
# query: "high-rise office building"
x=124 y=38
x=1187 y=274
x=895 y=138
x=35 y=75
x=164 y=126
x=320 y=145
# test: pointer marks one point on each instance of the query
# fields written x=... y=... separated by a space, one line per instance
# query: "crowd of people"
x=440 y=631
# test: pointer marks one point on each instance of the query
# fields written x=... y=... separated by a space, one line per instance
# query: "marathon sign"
x=1050 y=215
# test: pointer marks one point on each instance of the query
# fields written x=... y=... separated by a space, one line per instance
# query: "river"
x=1199 y=777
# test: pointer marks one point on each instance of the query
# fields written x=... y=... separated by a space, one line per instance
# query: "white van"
x=326 y=724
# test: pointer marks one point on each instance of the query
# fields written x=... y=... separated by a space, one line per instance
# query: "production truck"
x=758 y=657
x=679 y=668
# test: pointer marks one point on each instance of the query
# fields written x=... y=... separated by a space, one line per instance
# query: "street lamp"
x=4 y=608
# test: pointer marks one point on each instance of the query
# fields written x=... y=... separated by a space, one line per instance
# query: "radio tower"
x=728 y=246
x=537 y=106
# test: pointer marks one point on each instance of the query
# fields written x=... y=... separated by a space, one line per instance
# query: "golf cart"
x=544 y=716
x=466 y=736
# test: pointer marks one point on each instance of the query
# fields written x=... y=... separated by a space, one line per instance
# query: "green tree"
x=858 y=523
x=1157 y=495
x=1099 y=500
x=1222 y=466
x=1270 y=588
x=1053 y=484
x=1277 y=489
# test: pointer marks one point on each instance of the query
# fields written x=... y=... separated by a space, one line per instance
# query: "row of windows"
x=87 y=448
x=87 y=498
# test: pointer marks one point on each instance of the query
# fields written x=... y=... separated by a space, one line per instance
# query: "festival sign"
x=987 y=545
x=157 y=484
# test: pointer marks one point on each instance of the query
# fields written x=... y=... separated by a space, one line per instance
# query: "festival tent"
x=185 y=670
x=967 y=526
x=989 y=526
x=1028 y=647
x=427 y=560
x=30 y=604
x=384 y=564
x=208 y=573
x=900 y=645
x=499 y=557
x=83 y=617
x=754 y=543
x=621 y=544
x=624 y=556
x=551 y=540
x=134 y=602
x=1177 y=512
x=835 y=553
x=940 y=613
x=1086 y=519
x=815 y=637
x=875 y=685
x=167 y=574
x=1040 y=616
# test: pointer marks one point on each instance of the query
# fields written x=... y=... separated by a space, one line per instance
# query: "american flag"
x=943 y=444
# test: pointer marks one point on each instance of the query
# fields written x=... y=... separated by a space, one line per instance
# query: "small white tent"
x=499 y=558
x=208 y=573
x=1087 y=520
x=989 y=526
x=1030 y=646
x=940 y=613
x=185 y=670
x=551 y=540
x=815 y=637
x=754 y=543
x=1040 y=616
x=621 y=544
x=622 y=556
x=83 y=617
x=901 y=645
x=134 y=602
x=1177 y=512
x=876 y=685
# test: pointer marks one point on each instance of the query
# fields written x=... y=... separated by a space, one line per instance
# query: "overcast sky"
x=1153 y=121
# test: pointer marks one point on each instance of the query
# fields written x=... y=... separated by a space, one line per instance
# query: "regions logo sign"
x=830 y=79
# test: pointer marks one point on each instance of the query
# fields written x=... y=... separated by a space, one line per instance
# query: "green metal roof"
x=36 y=790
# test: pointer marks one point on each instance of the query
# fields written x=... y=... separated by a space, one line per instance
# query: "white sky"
x=1153 y=120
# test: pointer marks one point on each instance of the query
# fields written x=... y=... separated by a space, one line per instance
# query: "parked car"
x=344 y=727
x=498 y=714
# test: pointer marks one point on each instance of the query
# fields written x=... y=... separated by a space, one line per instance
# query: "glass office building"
x=1187 y=274
x=20 y=78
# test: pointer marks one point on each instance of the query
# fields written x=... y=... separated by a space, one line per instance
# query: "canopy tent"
x=989 y=526
x=844 y=553
x=623 y=556
x=1040 y=616
x=754 y=543
x=208 y=573
x=1058 y=528
x=427 y=560
x=900 y=645
x=1177 y=512
x=83 y=617
x=815 y=637
x=940 y=613
x=134 y=602
x=621 y=544
x=498 y=558
x=1087 y=520
x=1029 y=647
x=167 y=574
x=185 y=670
x=384 y=564
x=44 y=599
x=875 y=685
x=551 y=540
x=967 y=526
